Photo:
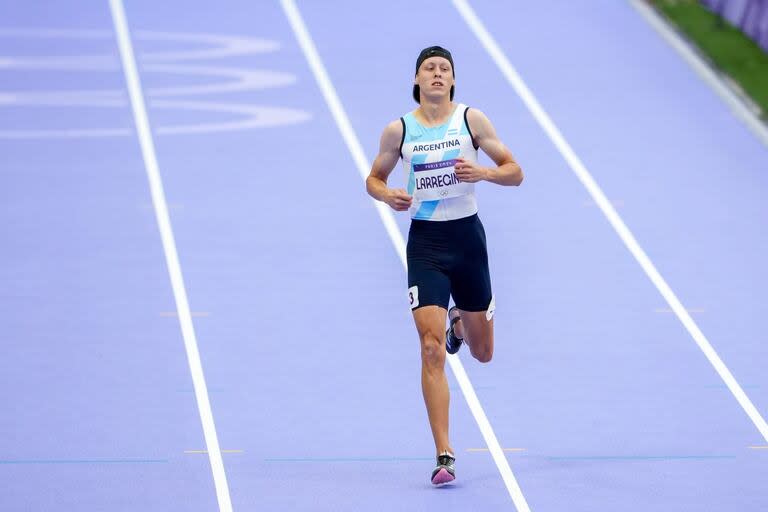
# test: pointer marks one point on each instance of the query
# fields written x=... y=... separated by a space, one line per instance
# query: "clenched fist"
x=470 y=172
x=398 y=199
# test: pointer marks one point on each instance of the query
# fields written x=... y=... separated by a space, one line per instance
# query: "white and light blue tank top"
x=429 y=155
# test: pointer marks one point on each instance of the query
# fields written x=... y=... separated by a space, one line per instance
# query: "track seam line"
x=144 y=133
x=358 y=155
x=578 y=167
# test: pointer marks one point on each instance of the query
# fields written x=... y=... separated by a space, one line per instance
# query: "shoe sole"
x=442 y=477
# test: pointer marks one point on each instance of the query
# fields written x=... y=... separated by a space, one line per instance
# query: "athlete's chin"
x=436 y=93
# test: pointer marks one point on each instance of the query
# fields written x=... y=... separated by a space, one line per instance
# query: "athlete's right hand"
x=398 y=199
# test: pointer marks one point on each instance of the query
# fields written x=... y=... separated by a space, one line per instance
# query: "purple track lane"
x=298 y=297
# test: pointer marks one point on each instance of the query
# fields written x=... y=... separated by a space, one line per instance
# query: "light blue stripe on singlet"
x=426 y=210
x=451 y=154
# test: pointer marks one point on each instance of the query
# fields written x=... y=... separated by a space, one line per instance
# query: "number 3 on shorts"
x=413 y=296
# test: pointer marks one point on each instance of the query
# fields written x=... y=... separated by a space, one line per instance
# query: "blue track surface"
x=297 y=294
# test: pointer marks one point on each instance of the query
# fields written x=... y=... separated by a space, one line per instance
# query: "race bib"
x=413 y=296
x=438 y=180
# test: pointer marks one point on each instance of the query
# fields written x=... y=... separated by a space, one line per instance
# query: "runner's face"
x=435 y=77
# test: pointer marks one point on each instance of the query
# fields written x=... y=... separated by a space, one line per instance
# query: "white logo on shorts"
x=413 y=296
x=491 y=308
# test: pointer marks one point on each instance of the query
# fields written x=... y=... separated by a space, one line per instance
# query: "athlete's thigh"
x=471 y=288
x=427 y=286
x=470 y=276
x=430 y=322
x=428 y=281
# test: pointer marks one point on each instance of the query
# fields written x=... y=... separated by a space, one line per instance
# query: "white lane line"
x=711 y=77
x=356 y=149
x=608 y=210
x=171 y=256
x=345 y=126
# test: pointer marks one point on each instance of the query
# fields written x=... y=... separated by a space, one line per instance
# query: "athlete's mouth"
x=438 y=83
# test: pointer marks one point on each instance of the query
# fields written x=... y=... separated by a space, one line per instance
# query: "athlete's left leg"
x=477 y=331
x=471 y=290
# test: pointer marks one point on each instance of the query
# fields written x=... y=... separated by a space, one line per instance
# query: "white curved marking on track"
x=65 y=134
x=217 y=46
x=245 y=80
x=222 y=45
x=101 y=98
x=258 y=116
x=226 y=46
x=255 y=116
x=64 y=62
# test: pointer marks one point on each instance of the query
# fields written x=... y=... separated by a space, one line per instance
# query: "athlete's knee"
x=484 y=356
x=482 y=352
x=432 y=349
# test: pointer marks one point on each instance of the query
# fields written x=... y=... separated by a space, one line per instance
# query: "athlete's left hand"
x=470 y=172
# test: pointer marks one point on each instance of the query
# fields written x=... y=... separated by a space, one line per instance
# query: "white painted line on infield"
x=356 y=149
x=169 y=247
x=608 y=210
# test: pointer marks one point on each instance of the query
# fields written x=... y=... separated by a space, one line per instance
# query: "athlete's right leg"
x=430 y=323
x=429 y=289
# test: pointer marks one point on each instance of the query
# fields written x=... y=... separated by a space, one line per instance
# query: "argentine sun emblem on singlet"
x=429 y=156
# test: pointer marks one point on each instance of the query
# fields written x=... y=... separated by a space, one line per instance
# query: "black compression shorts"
x=448 y=258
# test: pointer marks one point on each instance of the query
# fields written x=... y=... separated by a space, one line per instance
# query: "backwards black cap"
x=432 y=51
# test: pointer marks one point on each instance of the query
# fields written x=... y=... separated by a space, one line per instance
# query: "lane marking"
x=388 y=219
x=668 y=310
x=169 y=248
x=503 y=449
x=710 y=76
x=578 y=167
x=173 y=314
x=206 y=451
x=171 y=206
x=723 y=386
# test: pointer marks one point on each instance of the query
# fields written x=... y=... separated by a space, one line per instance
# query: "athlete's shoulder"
x=475 y=115
x=394 y=128
x=392 y=135
x=478 y=123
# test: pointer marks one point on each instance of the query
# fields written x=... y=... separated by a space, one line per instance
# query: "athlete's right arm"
x=389 y=153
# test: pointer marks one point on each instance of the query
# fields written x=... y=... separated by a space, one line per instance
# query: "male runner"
x=446 y=251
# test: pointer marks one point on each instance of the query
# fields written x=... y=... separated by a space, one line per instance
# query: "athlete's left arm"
x=507 y=172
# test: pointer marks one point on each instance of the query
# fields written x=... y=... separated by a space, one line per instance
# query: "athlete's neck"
x=434 y=114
